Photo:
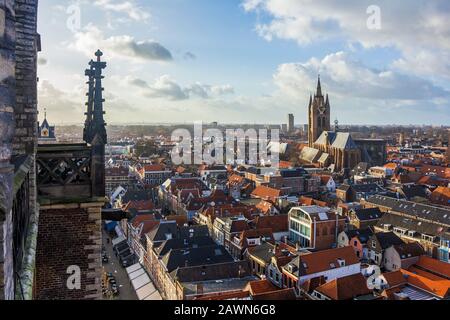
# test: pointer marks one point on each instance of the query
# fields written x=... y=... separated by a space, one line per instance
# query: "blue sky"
x=247 y=61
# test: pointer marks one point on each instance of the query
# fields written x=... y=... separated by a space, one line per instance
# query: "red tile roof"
x=394 y=278
x=434 y=266
x=137 y=220
x=278 y=223
x=443 y=172
x=266 y=193
x=441 y=195
x=345 y=288
x=440 y=288
x=139 y=205
x=321 y=260
x=153 y=167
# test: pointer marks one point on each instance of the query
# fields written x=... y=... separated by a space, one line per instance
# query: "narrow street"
x=126 y=291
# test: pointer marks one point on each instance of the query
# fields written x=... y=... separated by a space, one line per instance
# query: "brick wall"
x=69 y=235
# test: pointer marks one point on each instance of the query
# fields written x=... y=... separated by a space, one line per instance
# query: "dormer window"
x=341 y=262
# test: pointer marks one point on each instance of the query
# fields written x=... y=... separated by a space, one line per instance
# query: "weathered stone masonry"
x=19 y=43
x=7 y=103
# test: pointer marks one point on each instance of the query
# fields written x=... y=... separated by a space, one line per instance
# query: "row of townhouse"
x=414 y=222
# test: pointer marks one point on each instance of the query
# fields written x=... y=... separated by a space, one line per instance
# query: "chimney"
x=199 y=288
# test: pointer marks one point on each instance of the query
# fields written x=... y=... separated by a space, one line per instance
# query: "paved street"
x=113 y=266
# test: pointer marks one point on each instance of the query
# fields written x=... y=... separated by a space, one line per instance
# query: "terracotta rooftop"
x=345 y=288
x=440 y=288
x=394 y=278
x=266 y=193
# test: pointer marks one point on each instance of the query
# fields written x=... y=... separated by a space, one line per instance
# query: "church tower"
x=318 y=115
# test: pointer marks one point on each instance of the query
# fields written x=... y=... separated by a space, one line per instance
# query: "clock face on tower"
x=322 y=109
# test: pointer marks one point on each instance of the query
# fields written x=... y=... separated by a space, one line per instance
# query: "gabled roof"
x=441 y=195
x=324 y=260
x=179 y=258
x=387 y=239
x=138 y=219
x=136 y=195
x=260 y=286
x=339 y=140
x=152 y=168
x=363 y=235
x=208 y=272
x=266 y=193
x=139 y=205
x=196 y=242
x=278 y=223
x=266 y=234
x=345 y=288
x=409 y=250
x=434 y=266
x=412 y=209
x=394 y=278
x=439 y=288
x=367 y=214
x=443 y=172
x=310 y=154
x=280 y=294
x=164 y=229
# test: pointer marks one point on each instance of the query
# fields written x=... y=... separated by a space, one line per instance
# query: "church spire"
x=319 y=88
x=95 y=123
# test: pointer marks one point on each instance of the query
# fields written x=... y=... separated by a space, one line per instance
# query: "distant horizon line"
x=246 y=123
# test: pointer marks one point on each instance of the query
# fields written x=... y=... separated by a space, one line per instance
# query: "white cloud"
x=420 y=30
x=91 y=38
x=168 y=88
x=130 y=8
x=351 y=79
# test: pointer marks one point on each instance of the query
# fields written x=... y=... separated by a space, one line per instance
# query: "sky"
x=247 y=61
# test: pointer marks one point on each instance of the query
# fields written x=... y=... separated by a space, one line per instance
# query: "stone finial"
x=98 y=54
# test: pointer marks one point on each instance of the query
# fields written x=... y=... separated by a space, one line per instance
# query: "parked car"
x=128 y=261
x=121 y=248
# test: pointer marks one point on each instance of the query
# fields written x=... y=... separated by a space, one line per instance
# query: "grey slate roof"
x=178 y=258
x=362 y=234
x=368 y=214
x=216 y=271
x=413 y=209
x=323 y=158
x=387 y=239
x=196 y=242
x=136 y=195
x=263 y=252
x=339 y=140
x=166 y=228
x=343 y=140
x=422 y=227
x=310 y=154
